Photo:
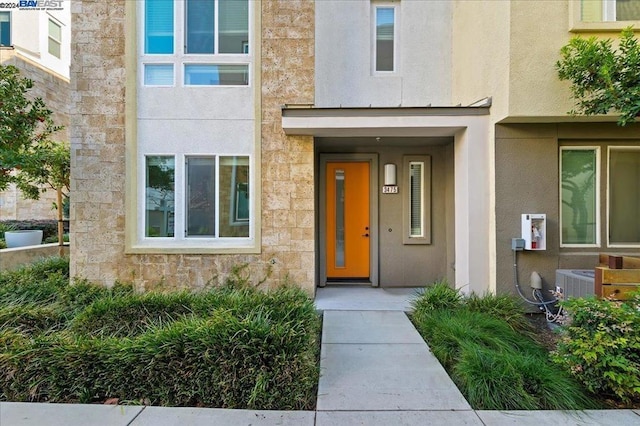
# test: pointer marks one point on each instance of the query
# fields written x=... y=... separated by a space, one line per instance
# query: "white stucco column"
x=474 y=220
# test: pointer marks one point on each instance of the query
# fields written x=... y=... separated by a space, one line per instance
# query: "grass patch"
x=232 y=347
x=485 y=344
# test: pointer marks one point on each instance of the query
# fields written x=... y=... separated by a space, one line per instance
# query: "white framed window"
x=206 y=40
x=609 y=10
x=158 y=75
x=623 y=196
x=216 y=75
x=216 y=203
x=417 y=199
x=579 y=196
x=55 y=38
x=5 y=28
x=385 y=37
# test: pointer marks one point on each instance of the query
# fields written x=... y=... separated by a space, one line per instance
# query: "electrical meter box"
x=534 y=231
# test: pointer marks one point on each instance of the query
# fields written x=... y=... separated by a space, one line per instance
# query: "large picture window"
x=582 y=184
x=216 y=192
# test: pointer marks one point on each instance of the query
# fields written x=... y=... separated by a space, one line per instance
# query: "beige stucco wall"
x=537 y=33
x=480 y=59
x=99 y=151
x=508 y=50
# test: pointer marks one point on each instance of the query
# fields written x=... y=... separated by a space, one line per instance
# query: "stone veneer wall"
x=98 y=156
x=54 y=90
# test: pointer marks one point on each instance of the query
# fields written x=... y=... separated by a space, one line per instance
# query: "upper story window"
x=207 y=39
x=385 y=37
x=610 y=10
x=5 y=28
x=55 y=38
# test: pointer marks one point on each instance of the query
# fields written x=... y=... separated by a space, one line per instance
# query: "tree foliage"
x=25 y=128
x=603 y=79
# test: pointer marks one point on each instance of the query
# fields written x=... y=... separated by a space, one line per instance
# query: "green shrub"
x=41 y=282
x=513 y=380
x=32 y=319
x=131 y=314
x=233 y=346
x=601 y=347
x=485 y=345
x=437 y=296
x=257 y=360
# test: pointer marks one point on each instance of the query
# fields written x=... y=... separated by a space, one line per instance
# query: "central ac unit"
x=576 y=282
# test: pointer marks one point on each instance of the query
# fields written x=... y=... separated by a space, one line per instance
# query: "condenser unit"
x=576 y=282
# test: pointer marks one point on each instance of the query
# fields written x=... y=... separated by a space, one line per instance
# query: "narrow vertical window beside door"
x=416 y=201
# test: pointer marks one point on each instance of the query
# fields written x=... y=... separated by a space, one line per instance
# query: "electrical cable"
x=515 y=280
x=537 y=295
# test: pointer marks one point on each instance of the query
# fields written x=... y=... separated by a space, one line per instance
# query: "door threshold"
x=351 y=281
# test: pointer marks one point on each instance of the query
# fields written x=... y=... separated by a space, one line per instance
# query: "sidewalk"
x=375 y=370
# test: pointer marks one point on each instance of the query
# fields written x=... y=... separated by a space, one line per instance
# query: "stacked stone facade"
x=99 y=154
x=54 y=91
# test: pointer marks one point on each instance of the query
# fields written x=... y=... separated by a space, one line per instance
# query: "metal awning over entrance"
x=383 y=122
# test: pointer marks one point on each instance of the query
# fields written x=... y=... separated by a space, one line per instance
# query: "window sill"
x=246 y=247
x=604 y=27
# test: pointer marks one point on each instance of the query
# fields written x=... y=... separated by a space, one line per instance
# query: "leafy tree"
x=28 y=157
x=602 y=78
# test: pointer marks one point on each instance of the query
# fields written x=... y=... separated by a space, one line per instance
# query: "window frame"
x=51 y=38
x=577 y=25
x=598 y=224
x=426 y=201
x=375 y=5
x=180 y=58
x=10 y=21
x=180 y=238
x=608 y=191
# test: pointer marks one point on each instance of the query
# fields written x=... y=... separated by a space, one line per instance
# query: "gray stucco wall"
x=527 y=181
x=402 y=265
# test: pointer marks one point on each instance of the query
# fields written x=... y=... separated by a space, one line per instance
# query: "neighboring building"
x=37 y=41
x=391 y=143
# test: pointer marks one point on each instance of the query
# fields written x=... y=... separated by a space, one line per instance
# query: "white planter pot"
x=32 y=237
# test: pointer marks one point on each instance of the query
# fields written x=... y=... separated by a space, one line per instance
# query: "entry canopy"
x=383 y=122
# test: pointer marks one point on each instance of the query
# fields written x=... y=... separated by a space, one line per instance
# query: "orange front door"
x=347 y=213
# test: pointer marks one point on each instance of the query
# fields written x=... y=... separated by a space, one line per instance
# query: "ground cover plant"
x=486 y=345
x=601 y=348
x=232 y=346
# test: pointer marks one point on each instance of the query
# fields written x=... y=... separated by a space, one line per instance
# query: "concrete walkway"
x=375 y=370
